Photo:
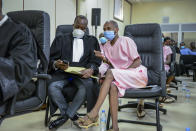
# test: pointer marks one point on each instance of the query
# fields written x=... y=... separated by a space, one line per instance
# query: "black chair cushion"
x=147 y=92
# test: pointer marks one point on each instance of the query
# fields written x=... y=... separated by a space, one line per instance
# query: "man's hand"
x=87 y=73
x=61 y=65
x=98 y=54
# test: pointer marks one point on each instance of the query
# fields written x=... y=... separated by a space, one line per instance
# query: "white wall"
x=9 y=6
x=65 y=10
x=107 y=7
x=47 y=6
x=181 y=11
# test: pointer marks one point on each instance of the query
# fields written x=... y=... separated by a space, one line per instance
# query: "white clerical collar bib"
x=3 y=20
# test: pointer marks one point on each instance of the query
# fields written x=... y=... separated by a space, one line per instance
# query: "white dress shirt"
x=78 y=49
x=3 y=20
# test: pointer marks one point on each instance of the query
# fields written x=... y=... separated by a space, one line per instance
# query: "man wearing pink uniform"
x=124 y=71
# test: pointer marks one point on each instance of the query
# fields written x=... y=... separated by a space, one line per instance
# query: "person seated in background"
x=167 y=53
x=18 y=59
x=74 y=49
x=103 y=66
x=126 y=72
x=175 y=45
x=192 y=45
x=185 y=51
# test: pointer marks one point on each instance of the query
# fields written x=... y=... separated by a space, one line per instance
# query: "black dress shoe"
x=58 y=122
x=75 y=117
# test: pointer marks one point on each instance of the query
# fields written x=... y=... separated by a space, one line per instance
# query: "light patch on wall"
x=165 y=19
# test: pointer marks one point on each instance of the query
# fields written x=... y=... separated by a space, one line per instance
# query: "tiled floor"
x=179 y=116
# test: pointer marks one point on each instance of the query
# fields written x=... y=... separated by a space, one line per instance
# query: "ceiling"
x=139 y=1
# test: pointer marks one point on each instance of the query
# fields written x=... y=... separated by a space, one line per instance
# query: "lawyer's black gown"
x=18 y=59
x=62 y=48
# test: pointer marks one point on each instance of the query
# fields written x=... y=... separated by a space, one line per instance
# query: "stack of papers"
x=77 y=71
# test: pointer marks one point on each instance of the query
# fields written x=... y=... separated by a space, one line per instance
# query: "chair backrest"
x=39 y=24
x=173 y=56
x=64 y=29
x=187 y=59
x=148 y=40
x=173 y=61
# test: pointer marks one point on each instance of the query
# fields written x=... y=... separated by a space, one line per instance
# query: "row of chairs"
x=148 y=40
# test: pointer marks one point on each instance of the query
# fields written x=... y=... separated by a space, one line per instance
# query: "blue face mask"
x=182 y=47
x=103 y=40
x=109 y=35
x=162 y=39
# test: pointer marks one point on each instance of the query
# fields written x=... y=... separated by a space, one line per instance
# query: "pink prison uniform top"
x=121 y=55
x=166 y=51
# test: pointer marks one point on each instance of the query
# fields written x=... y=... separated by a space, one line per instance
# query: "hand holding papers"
x=77 y=71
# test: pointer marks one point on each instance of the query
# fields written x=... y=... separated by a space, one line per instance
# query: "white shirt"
x=78 y=49
x=3 y=20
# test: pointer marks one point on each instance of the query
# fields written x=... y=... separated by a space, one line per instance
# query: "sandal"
x=112 y=129
x=140 y=111
x=167 y=99
x=89 y=122
x=161 y=105
x=78 y=121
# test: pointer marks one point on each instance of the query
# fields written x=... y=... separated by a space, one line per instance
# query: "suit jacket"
x=62 y=48
x=18 y=60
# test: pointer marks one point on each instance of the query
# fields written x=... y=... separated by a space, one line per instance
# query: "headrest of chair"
x=148 y=40
x=141 y=29
x=39 y=24
x=64 y=29
x=188 y=59
x=173 y=55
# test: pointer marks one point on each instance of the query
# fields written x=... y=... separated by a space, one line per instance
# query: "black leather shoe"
x=57 y=123
x=75 y=117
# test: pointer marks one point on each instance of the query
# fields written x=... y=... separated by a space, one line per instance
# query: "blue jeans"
x=85 y=90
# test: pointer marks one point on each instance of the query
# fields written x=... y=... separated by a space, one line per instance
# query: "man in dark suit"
x=18 y=61
x=77 y=50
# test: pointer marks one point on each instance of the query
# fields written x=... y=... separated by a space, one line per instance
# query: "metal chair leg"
x=174 y=96
x=159 y=128
x=147 y=105
x=46 y=114
x=108 y=120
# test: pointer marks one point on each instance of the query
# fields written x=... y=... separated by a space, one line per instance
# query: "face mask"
x=162 y=39
x=78 y=33
x=182 y=47
x=109 y=35
x=103 y=40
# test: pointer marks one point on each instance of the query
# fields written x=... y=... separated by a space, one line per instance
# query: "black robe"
x=18 y=58
x=62 y=48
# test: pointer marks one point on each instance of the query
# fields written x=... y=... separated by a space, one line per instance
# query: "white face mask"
x=78 y=33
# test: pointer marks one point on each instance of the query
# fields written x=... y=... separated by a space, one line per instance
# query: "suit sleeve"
x=55 y=52
x=94 y=62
